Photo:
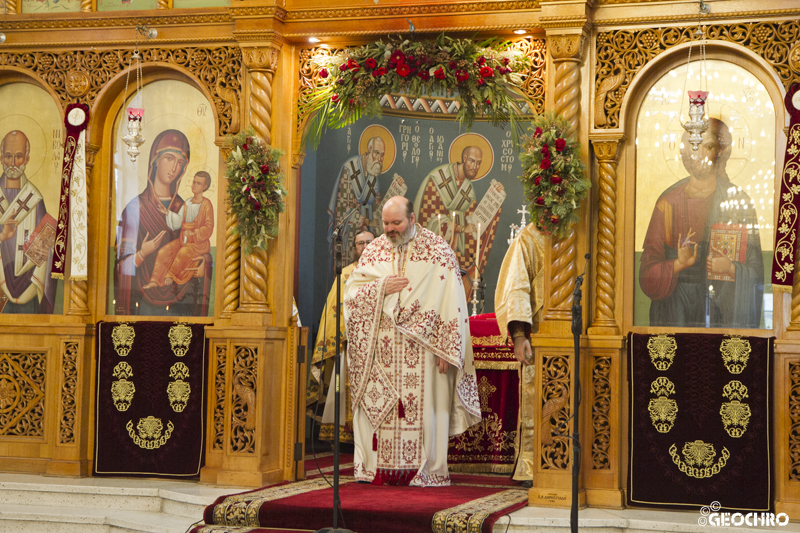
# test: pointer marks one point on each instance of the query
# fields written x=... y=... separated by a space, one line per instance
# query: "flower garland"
x=255 y=191
x=484 y=78
x=553 y=175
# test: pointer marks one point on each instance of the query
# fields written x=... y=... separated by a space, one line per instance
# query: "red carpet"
x=307 y=505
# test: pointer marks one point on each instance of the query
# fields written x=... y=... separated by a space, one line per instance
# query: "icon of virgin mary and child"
x=163 y=262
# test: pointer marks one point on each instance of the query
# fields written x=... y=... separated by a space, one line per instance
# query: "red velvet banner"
x=489 y=446
x=783 y=259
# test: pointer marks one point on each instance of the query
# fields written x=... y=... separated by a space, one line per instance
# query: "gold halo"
x=35 y=134
x=473 y=139
x=376 y=130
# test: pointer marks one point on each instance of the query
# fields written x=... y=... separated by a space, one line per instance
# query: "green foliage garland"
x=484 y=78
x=255 y=190
x=553 y=175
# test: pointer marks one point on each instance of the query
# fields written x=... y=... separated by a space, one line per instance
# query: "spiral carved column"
x=604 y=316
x=566 y=51
x=86 y=6
x=79 y=289
x=230 y=287
x=164 y=4
x=261 y=62
x=794 y=325
x=12 y=7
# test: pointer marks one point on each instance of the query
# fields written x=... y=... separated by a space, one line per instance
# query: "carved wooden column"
x=566 y=52
x=605 y=321
x=164 y=4
x=12 y=7
x=261 y=62
x=78 y=289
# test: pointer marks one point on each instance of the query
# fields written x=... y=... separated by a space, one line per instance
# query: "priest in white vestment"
x=409 y=354
x=518 y=301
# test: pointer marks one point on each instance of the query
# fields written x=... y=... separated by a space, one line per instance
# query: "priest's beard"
x=14 y=173
x=402 y=237
x=374 y=168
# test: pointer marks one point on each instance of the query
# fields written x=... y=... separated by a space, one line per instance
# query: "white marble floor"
x=33 y=504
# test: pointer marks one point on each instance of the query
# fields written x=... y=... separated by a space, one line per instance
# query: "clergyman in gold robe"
x=322 y=361
x=518 y=301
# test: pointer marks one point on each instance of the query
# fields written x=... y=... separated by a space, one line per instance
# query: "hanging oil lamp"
x=698 y=121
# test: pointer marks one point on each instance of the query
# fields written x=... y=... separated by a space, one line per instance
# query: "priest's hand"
x=395 y=284
x=442 y=365
x=522 y=350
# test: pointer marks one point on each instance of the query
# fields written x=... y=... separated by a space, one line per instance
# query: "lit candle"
x=440 y=224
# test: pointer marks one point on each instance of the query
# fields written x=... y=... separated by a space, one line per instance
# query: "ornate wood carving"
x=793 y=446
x=554 y=451
x=22 y=383
x=230 y=288
x=566 y=51
x=214 y=66
x=605 y=277
x=243 y=399
x=412 y=10
x=254 y=283
x=12 y=7
x=86 y=6
x=261 y=62
x=601 y=411
x=79 y=289
x=69 y=386
x=622 y=53
x=221 y=355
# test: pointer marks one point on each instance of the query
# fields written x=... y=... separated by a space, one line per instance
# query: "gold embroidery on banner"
x=698 y=459
x=662 y=351
x=122 y=335
x=490 y=340
x=180 y=336
x=148 y=432
x=497 y=365
x=485 y=389
x=735 y=414
x=122 y=390
x=662 y=387
x=735 y=353
x=178 y=391
x=663 y=413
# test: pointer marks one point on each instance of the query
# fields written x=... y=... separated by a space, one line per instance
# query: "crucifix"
x=22 y=204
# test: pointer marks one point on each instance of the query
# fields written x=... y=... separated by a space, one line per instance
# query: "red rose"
x=323 y=73
x=398 y=57
x=265 y=169
x=423 y=75
x=462 y=75
x=335 y=98
x=554 y=219
x=540 y=200
x=379 y=72
x=556 y=179
x=247 y=189
x=411 y=60
x=245 y=147
x=343 y=67
x=538 y=180
x=352 y=65
x=545 y=164
x=481 y=60
x=340 y=81
x=453 y=65
x=257 y=206
x=252 y=178
x=439 y=74
x=403 y=70
x=537 y=133
x=371 y=63
x=481 y=82
x=488 y=102
x=487 y=72
x=505 y=61
x=560 y=144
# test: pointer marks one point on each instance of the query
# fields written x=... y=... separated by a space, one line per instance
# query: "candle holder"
x=474 y=301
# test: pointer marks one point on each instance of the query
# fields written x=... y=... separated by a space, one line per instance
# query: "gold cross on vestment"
x=464 y=197
x=485 y=389
x=446 y=180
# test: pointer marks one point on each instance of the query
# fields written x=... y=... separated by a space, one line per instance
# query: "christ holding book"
x=702 y=264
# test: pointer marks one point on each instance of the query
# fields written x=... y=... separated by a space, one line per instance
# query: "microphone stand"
x=577 y=327
x=337 y=265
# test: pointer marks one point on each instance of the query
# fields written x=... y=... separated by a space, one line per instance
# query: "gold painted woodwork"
x=232 y=263
x=12 y=7
x=625 y=52
x=261 y=63
x=254 y=283
x=605 y=276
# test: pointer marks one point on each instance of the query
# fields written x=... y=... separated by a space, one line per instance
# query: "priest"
x=518 y=301
x=409 y=353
